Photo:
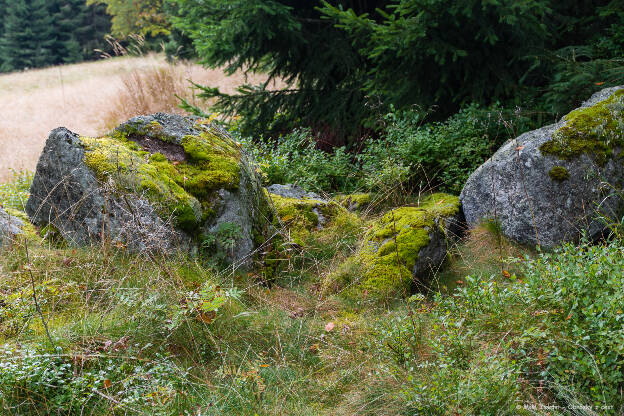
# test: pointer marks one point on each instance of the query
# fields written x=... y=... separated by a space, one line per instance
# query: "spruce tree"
x=3 y=6
x=95 y=24
x=15 y=45
x=291 y=41
x=68 y=16
x=43 y=32
x=28 y=37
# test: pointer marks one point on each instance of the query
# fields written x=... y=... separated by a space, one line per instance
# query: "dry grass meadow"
x=89 y=99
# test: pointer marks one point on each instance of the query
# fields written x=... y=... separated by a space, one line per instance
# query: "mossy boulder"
x=299 y=212
x=402 y=249
x=155 y=183
x=355 y=202
x=553 y=184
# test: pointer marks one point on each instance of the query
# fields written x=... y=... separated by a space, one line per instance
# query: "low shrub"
x=440 y=155
x=294 y=158
x=15 y=192
x=410 y=154
x=551 y=337
x=40 y=383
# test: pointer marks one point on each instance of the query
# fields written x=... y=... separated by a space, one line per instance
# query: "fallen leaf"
x=599 y=83
x=207 y=317
x=329 y=326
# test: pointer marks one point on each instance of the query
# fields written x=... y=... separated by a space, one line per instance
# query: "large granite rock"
x=550 y=185
x=156 y=182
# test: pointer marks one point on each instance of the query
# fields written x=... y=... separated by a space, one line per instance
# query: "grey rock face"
x=515 y=189
x=248 y=208
x=10 y=226
x=292 y=191
x=66 y=195
x=85 y=207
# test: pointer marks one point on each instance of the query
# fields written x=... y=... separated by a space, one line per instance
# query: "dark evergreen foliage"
x=28 y=35
x=38 y=33
x=292 y=41
x=346 y=61
x=81 y=29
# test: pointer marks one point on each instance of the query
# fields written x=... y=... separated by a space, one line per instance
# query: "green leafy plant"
x=15 y=192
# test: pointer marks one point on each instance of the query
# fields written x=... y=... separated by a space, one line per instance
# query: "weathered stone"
x=405 y=247
x=551 y=184
x=292 y=191
x=10 y=226
x=156 y=182
x=301 y=212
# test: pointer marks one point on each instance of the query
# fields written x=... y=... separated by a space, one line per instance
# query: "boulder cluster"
x=165 y=182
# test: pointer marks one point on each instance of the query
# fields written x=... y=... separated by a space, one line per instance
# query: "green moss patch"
x=356 y=201
x=559 y=174
x=383 y=266
x=594 y=130
x=299 y=215
x=182 y=190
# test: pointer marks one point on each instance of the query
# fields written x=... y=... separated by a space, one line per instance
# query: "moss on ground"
x=594 y=130
x=183 y=190
x=383 y=266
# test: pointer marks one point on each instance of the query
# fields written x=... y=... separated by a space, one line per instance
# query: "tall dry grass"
x=145 y=92
x=90 y=98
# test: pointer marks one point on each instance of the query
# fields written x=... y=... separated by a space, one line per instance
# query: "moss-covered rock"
x=157 y=181
x=558 y=182
x=559 y=173
x=302 y=216
x=595 y=130
x=355 y=202
x=10 y=226
x=404 y=246
x=27 y=229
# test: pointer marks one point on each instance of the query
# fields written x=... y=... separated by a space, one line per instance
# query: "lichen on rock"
x=405 y=245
